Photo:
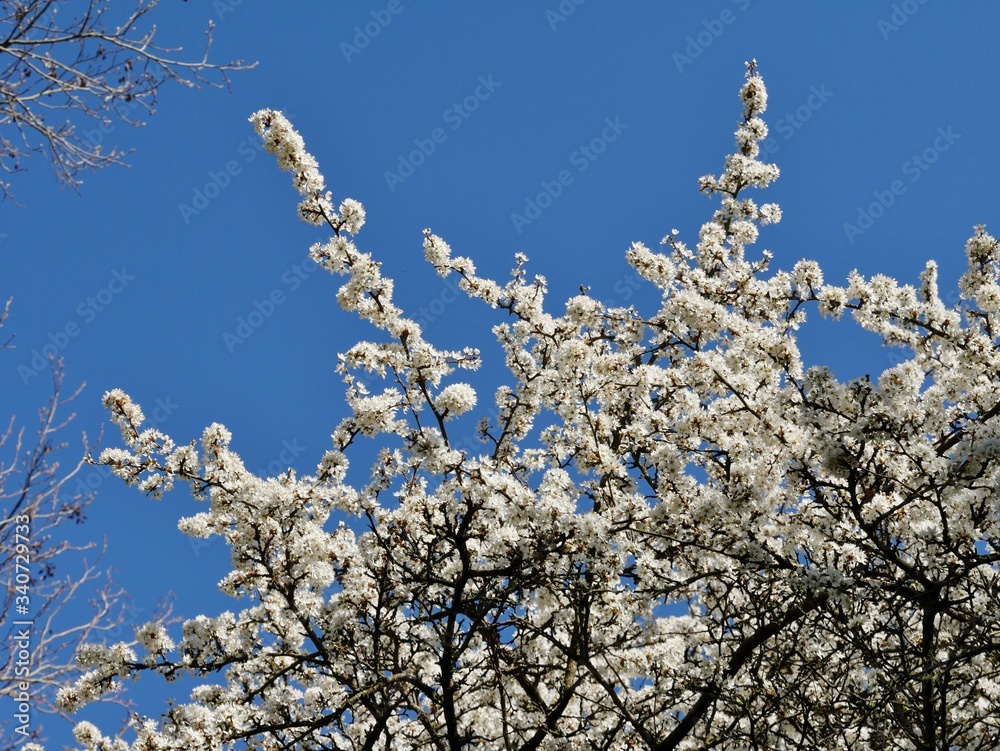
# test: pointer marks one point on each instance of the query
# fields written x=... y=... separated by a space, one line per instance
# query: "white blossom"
x=153 y=636
x=456 y=399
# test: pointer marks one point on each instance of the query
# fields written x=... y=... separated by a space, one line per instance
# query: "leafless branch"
x=66 y=62
x=38 y=505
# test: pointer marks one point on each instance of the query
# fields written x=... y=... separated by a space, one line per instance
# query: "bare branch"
x=67 y=62
x=45 y=574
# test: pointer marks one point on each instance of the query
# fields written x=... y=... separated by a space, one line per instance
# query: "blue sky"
x=462 y=118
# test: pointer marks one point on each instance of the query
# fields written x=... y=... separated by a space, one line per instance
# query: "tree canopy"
x=674 y=534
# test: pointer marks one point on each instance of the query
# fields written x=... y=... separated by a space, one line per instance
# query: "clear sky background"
x=153 y=265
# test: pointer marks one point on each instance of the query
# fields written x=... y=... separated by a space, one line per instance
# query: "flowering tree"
x=674 y=536
x=67 y=58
